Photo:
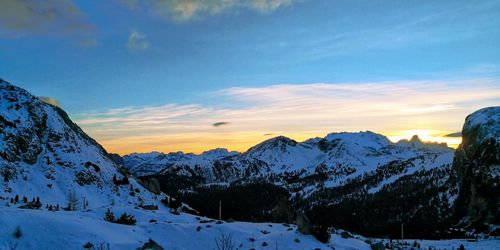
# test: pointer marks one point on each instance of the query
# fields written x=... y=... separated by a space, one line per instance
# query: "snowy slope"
x=486 y=121
x=44 y=154
x=71 y=230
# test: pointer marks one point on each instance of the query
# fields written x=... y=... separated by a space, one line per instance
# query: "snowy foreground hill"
x=59 y=189
x=73 y=230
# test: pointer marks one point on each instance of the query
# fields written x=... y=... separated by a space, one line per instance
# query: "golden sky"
x=246 y=116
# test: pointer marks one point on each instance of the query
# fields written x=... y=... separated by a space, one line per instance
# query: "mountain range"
x=358 y=181
x=60 y=189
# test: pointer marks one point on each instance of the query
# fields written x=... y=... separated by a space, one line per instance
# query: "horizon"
x=194 y=75
x=243 y=151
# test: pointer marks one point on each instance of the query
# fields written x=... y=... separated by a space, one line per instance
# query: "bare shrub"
x=72 y=201
x=18 y=233
x=225 y=242
x=12 y=245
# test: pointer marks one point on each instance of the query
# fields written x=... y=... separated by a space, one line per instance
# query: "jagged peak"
x=216 y=151
x=219 y=152
x=415 y=139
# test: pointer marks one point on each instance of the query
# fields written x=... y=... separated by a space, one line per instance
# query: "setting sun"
x=426 y=136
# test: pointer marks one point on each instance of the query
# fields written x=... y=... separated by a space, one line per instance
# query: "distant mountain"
x=327 y=162
x=477 y=169
x=327 y=178
x=44 y=154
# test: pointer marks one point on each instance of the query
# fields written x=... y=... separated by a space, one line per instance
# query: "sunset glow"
x=247 y=116
x=426 y=136
x=195 y=75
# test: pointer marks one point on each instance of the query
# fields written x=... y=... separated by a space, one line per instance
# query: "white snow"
x=42 y=229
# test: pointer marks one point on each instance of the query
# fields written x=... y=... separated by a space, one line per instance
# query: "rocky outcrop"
x=476 y=169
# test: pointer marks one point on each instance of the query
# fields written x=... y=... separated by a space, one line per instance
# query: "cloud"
x=49 y=100
x=441 y=25
x=183 y=10
x=218 y=124
x=298 y=111
x=21 y=17
x=268 y=5
x=456 y=134
x=137 y=41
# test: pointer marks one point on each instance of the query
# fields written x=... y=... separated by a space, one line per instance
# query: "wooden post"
x=220 y=210
x=402 y=233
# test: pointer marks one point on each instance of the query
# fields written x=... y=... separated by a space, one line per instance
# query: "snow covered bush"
x=126 y=219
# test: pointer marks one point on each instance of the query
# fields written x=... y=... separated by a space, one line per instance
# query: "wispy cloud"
x=443 y=23
x=299 y=111
x=137 y=41
x=49 y=100
x=218 y=124
x=183 y=10
x=456 y=134
x=59 y=17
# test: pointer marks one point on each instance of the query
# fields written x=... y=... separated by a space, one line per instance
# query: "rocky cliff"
x=476 y=169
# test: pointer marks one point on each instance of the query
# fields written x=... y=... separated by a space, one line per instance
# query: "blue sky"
x=95 y=57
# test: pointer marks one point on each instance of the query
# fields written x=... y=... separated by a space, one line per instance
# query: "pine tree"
x=109 y=216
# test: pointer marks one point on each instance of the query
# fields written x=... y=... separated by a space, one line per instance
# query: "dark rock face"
x=116 y=158
x=476 y=168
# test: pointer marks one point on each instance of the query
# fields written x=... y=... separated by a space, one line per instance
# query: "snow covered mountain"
x=326 y=178
x=44 y=154
x=327 y=162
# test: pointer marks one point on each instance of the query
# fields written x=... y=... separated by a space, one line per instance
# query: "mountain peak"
x=280 y=142
x=415 y=139
x=362 y=138
x=485 y=121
